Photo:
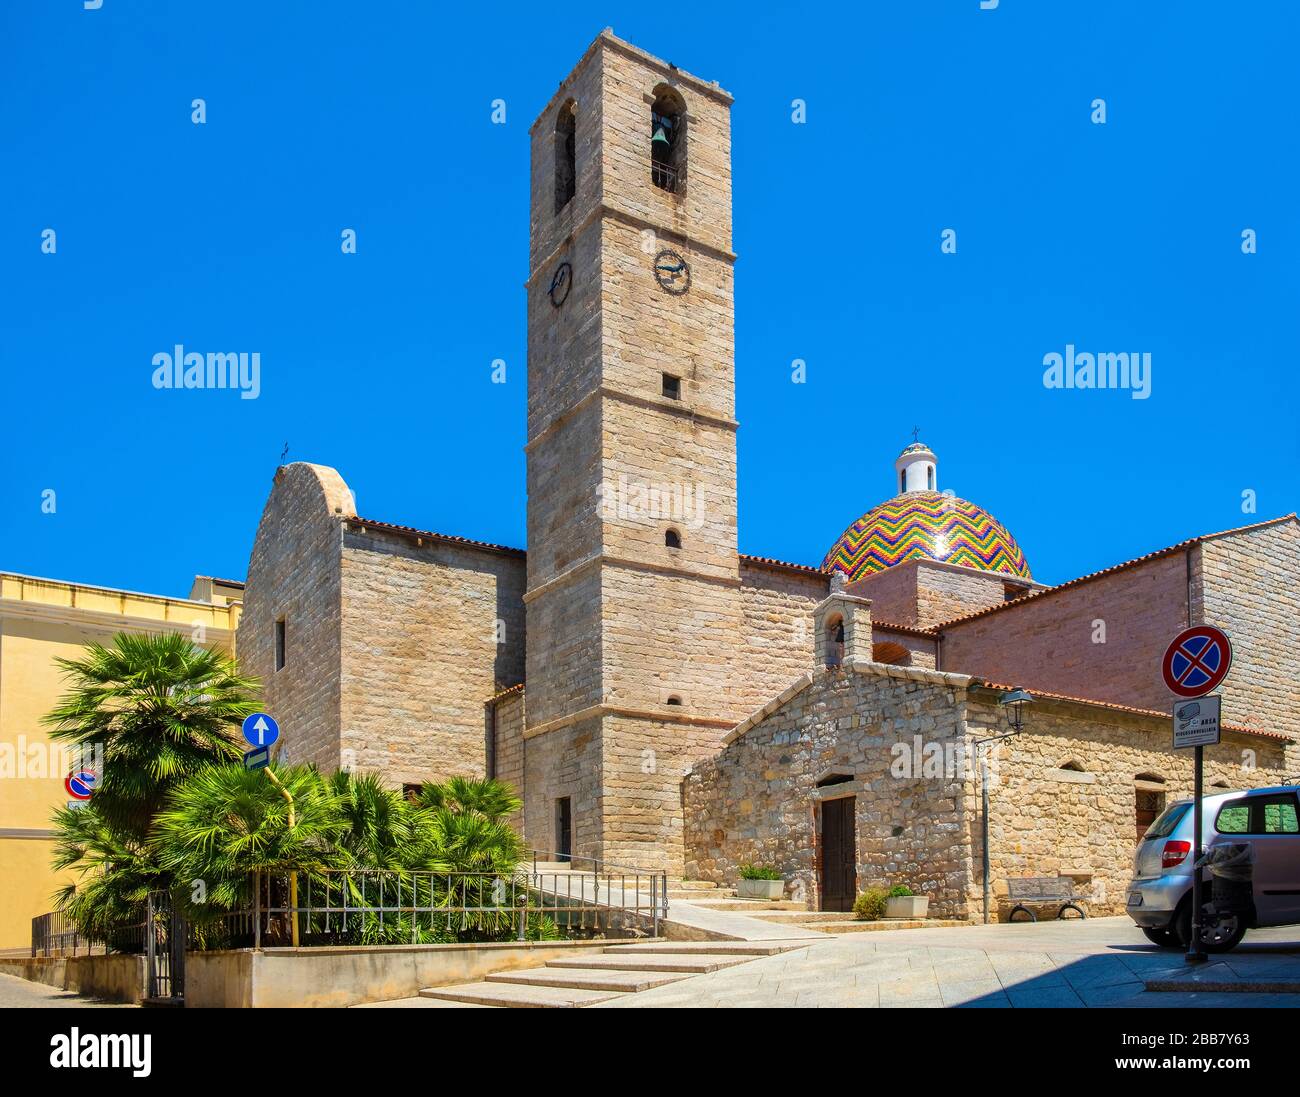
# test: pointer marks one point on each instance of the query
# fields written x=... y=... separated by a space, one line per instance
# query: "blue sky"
x=920 y=117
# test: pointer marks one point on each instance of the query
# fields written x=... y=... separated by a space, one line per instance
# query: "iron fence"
x=55 y=934
x=375 y=906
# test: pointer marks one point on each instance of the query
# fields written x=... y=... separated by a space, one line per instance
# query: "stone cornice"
x=606 y=559
x=668 y=407
x=609 y=40
x=594 y=711
x=662 y=230
x=79 y=617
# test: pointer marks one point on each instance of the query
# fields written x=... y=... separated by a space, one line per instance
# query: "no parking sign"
x=1197 y=661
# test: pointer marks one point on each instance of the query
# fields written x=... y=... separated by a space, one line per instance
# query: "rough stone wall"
x=755 y=800
x=430 y=632
x=1251 y=588
x=641 y=791
x=1046 y=641
x=922 y=594
x=669 y=636
x=943 y=593
x=1047 y=821
x=564 y=762
x=294 y=573
x=508 y=720
x=564 y=658
x=892 y=593
x=776 y=641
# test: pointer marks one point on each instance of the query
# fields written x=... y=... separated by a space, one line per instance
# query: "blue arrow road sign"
x=257 y=758
x=260 y=729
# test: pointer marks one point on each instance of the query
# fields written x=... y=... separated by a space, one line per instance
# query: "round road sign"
x=1197 y=661
x=80 y=784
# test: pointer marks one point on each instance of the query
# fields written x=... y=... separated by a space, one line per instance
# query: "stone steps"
x=574 y=982
x=803 y=916
x=517 y=995
x=718 y=948
x=853 y=926
x=755 y=907
x=627 y=982
x=695 y=963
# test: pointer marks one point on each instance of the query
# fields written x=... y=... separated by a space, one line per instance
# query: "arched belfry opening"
x=566 y=154
x=668 y=140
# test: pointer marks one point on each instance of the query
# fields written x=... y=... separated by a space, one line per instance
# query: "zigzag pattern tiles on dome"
x=926 y=525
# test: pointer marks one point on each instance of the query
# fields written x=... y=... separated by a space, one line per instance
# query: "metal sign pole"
x=1195 y=947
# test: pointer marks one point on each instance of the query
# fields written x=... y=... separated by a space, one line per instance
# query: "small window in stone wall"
x=1071 y=766
x=673 y=539
x=672 y=386
x=673 y=700
x=279 y=644
x=835 y=779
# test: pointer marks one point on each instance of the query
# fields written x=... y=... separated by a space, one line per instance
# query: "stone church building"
x=660 y=699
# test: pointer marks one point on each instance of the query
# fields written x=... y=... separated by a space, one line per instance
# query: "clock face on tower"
x=672 y=272
x=561 y=283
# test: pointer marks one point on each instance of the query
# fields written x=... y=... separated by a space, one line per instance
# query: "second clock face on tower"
x=561 y=282
x=672 y=272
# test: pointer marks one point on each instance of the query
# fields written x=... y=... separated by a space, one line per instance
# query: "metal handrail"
x=338 y=902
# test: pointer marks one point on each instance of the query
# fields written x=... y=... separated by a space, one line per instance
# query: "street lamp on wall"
x=1014 y=704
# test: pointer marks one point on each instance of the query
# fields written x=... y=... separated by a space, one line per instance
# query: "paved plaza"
x=1102 y=962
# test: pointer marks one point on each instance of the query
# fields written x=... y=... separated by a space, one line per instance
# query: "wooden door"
x=839 y=876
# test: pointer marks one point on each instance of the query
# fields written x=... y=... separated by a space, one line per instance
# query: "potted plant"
x=902 y=903
x=760 y=882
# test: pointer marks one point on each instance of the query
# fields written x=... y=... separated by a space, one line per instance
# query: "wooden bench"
x=1058 y=891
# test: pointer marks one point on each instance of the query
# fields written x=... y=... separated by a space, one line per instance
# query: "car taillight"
x=1174 y=853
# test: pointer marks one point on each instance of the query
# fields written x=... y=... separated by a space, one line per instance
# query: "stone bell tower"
x=633 y=606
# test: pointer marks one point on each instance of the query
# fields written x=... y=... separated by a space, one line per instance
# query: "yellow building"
x=42 y=620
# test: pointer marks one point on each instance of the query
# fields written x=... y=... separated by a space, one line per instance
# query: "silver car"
x=1160 y=896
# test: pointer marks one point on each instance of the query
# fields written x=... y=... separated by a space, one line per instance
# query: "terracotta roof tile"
x=430 y=535
x=910 y=630
x=770 y=562
x=1114 y=706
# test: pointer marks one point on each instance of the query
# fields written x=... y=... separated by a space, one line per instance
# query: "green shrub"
x=758 y=872
x=900 y=891
x=870 y=905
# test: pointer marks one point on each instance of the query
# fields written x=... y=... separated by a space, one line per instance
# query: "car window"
x=1280 y=815
x=1234 y=818
x=1167 y=823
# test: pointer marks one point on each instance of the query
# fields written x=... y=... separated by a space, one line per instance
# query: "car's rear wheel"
x=1165 y=938
x=1221 y=934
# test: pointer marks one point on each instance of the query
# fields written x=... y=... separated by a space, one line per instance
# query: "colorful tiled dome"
x=926 y=525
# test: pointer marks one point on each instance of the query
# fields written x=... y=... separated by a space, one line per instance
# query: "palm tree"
x=116 y=875
x=161 y=708
x=383 y=829
x=226 y=824
x=483 y=796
